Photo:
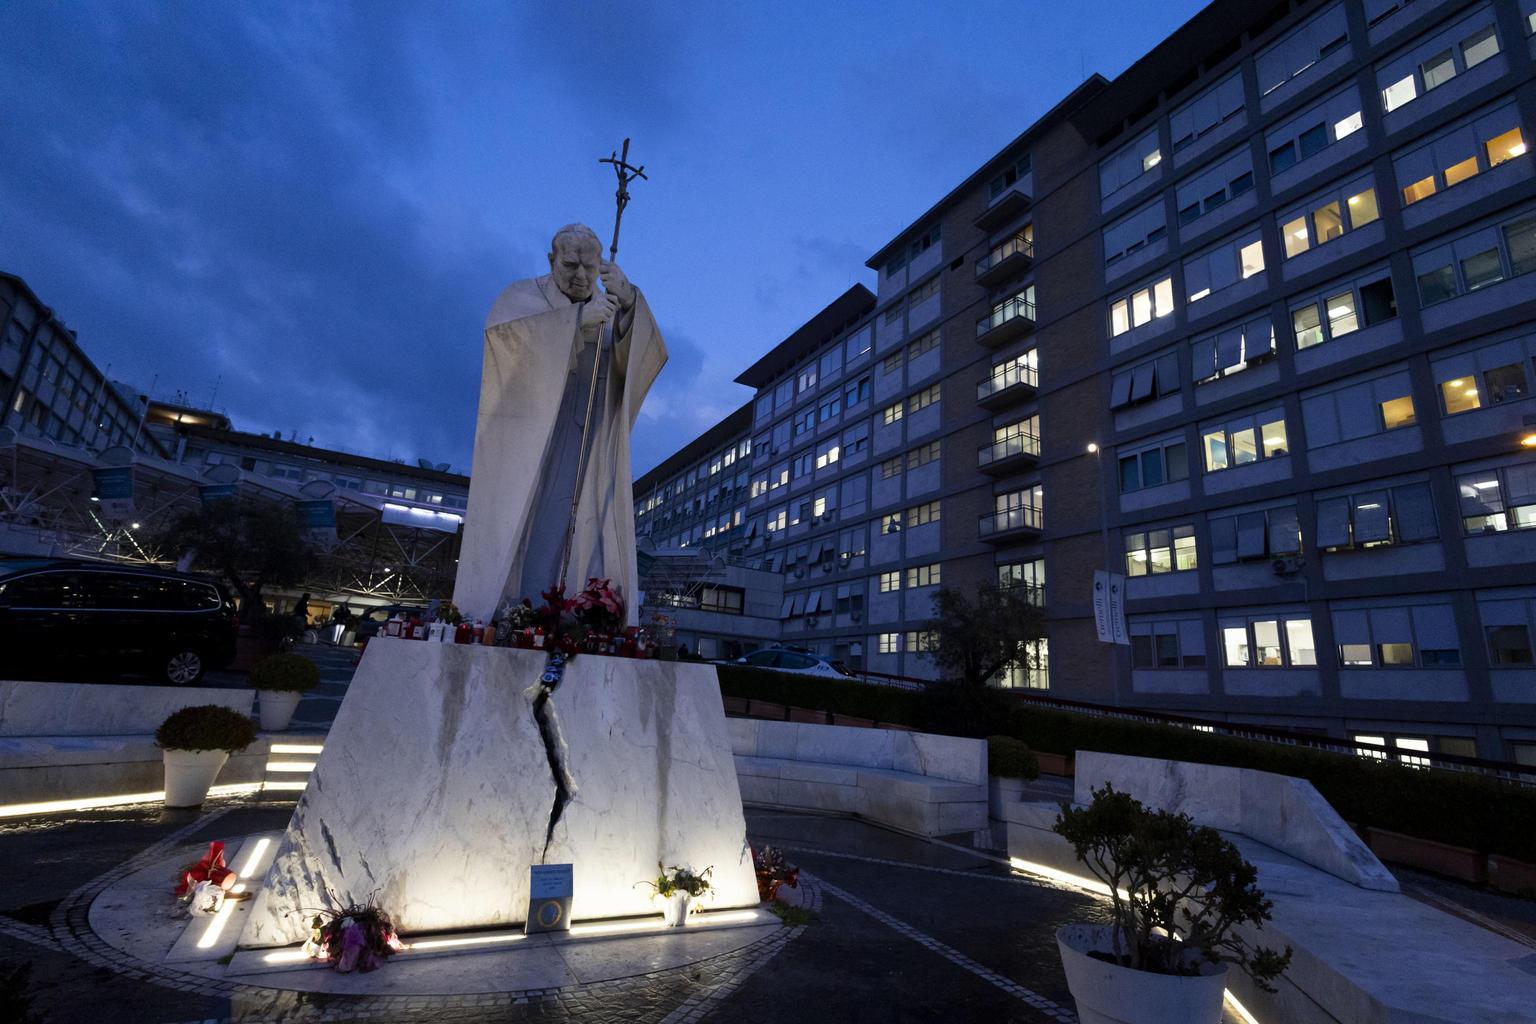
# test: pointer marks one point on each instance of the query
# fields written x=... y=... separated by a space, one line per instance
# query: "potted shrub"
x=677 y=888
x=1178 y=892
x=196 y=742
x=281 y=680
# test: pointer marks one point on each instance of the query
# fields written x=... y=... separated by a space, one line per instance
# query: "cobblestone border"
x=697 y=1007
x=70 y=932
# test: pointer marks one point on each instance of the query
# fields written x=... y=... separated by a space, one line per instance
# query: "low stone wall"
x=931 y=785
x=100 y=709
x=46 y=768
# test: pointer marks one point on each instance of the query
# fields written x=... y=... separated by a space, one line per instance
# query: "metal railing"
x=1007 y=376
x=1019 y=517
x=1505 y=771
x=1003 y=312
x=1020 y=443
x=1017 y=245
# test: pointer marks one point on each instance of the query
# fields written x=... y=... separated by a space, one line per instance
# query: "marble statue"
x=542 y=338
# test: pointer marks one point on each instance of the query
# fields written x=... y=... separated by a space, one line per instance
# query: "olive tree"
x=251 y=543
x=974 y=635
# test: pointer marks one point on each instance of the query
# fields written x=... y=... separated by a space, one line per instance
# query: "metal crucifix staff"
x=625 y=173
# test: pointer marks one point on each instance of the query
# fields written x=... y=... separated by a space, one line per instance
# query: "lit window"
x=1251 y=258
x=1119 y=318
x=1328 y=222
x=889 y=642
x=1459 y=172
x=1341 y=314
x=1273 y=435
x=1398 y=93
x=1298 y=637
x=1362 y=208
x=1421 y=189
x=1308 y=326
x=1459 y=395
x=889 y=582
x=1397 y=412
x=1347 y=127
x=1163 y=291
x=1505 y=147
x=1297 y=241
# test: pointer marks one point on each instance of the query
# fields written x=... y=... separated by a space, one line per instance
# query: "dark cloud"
x=314 y=205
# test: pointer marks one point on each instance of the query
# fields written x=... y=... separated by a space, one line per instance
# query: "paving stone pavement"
x=901 y=930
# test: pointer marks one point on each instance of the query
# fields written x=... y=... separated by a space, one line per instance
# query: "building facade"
x=49 y=388
x=1253 y=324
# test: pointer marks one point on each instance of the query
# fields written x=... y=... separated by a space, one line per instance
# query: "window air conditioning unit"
x=810 y=622
x=1289 y=565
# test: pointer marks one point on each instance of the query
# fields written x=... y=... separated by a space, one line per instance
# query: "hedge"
x=1008 y=758
x=1464 y=810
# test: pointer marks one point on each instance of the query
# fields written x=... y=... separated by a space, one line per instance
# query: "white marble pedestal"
x=434 y=790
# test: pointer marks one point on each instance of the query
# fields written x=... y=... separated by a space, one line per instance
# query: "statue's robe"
x=528 y=437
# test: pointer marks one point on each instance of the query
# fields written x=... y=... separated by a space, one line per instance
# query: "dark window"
x=1521 y=240
x=45 y=590
x=1312 y=141
x=1141 y=652
x=1437 y=285
x=1242 y=183
x=1282 y=158
x=1130 y=474
x=1167 y=651
x=1440 y=658
x=1505 y=383
x=1509 y=645
x=1377 y=301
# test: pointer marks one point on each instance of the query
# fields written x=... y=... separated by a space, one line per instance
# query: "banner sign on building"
x=1117 y=629
x=319 y=519
x=114 y=490
x=1109 y=608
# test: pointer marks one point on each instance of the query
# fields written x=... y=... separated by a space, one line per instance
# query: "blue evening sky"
x=311 y=206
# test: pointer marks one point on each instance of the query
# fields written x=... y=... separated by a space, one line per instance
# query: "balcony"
x=1008 y=455
x=1008 y=384
x=1021 y=522
x=1007 y=260
x=1007 y=321
x=1006 y=207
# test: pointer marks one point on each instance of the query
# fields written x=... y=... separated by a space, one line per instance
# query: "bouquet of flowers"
x=449 y=612
x=773 y=871
x=359 y=937
x=598 y=607
x=210 y=869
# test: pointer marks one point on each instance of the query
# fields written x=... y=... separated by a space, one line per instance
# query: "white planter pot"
x=674 y=909
x=277 y=708
x=1107 y=993
x=189 y=773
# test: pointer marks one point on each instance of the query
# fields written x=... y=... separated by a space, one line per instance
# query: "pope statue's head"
x=575 y=257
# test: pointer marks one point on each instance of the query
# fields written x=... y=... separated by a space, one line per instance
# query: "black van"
x=67 y=619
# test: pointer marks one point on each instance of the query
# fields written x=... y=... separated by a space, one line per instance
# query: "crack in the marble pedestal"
x=548 y=720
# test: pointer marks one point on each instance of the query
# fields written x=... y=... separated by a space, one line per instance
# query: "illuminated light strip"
x=478 y=940
x=116 y=800
x=286 y=956
x=616 y=927
x=1092 y=885
x=1098 y=888
x=1239 y=1009
x=728 y=917
x=216 y=926
x=290 y=766
x=293 y=786
x=249 y=868
x=295 y=748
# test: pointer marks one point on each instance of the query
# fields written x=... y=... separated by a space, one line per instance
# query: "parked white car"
x=785 y=659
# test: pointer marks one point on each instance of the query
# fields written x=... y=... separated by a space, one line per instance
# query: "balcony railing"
x=1010 y=376
x=1012 y=256
x=1019 y=445
x=1007 y=320
x=1018 y=519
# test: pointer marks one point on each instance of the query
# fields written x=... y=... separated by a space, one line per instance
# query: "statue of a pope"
x=541 y=340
